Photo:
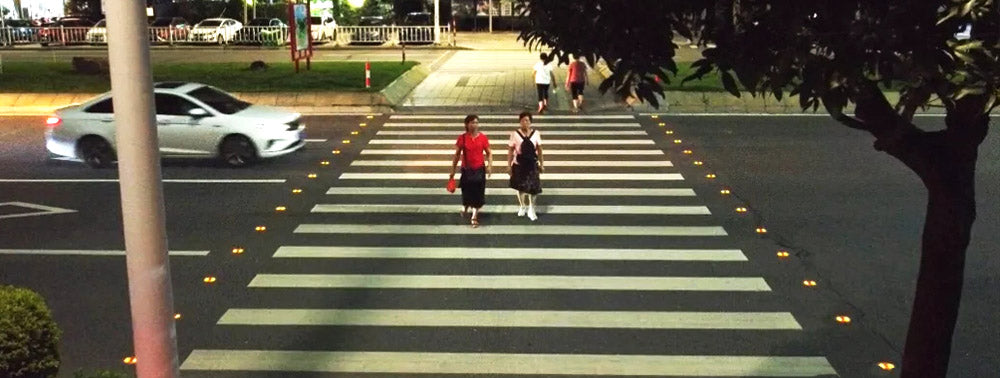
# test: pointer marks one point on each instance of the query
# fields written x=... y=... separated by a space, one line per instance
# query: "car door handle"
x=107 y=120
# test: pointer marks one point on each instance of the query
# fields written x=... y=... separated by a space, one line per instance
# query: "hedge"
x=29 y=338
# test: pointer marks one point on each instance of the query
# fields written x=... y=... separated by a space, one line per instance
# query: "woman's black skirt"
x=473 y=184
x=525 y=179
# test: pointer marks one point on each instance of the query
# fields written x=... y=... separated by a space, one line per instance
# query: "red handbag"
x=451 y=185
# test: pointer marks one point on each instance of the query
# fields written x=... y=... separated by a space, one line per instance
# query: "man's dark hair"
x=468 y=119
x=543 y=57
x=525 y=114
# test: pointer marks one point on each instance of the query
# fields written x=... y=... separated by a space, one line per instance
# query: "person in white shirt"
x=543 y=79
x=524 y=158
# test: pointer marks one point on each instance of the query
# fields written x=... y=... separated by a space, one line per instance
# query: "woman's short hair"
x=468 y=119
x=523 y=115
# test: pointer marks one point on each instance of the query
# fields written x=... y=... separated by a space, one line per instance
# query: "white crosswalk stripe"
x=379 y=232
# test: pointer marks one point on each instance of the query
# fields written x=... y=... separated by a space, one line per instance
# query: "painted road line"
x=169 y=181
x=511 y=318
x=503 y=282
x=547 y=142
x=548 y=209
x=547 y=132
x=505 y=116
x=520 y=364
x=548 y=152
x=608 y=192
x=548 y=163
x=362 y=252
x=315 y=140
x=420 y=229
x=86 y=252
x=515 y=125
x=776 y=115
x=506 y=176
x=40 y=210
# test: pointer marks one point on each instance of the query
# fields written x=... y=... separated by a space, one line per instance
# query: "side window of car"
x=104 y=106
x=167 y=104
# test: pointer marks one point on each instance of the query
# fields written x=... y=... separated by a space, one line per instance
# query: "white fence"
x=248 y=35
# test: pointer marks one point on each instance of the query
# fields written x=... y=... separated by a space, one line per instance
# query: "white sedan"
x=193 y=120
x=218 y=30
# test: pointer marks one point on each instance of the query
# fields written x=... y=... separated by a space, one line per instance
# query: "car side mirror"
x=198 y=113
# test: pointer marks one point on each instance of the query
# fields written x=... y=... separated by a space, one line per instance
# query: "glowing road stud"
x=209 y=279
x=782 y=254
x=362 y=124
x=324 y=162
x=346 y=141
x=662 y=124
x=312 y=175
x=238 y=251
x=370 y=117
x=724 y=191
x=741 y=209
x=280 y=208
x=698 y=162
x=808 y=283
x=129 y=360
x=260 y=228
x=843 y=319
x=677 y=141
x=296 y=191
x=710 y=176
x=354 y=133
x=887 y=366
x=688 y=152
x=670 y=132
x=177 y=316
x=654 y=116
x=761 y=230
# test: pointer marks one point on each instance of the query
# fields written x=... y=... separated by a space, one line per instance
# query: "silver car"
x=193 y=120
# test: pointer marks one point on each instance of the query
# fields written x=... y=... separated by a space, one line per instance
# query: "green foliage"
x=830 y=52
x=99 y=374
x=85 y=8
x=29 y=338
x=377 y=8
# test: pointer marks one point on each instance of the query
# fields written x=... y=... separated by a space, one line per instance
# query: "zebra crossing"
x=625 y=273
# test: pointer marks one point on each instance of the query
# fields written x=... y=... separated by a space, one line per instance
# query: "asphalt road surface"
x=371 y=269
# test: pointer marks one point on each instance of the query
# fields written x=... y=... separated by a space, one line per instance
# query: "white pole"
x=490 y=13
x=154 y=335
x=437 y=22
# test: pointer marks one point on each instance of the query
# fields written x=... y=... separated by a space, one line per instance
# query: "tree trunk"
x=946 y=162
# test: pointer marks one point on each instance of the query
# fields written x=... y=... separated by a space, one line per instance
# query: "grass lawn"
x=709 y=83
x=49 y=77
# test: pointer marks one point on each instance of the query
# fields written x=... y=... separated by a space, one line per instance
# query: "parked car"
x=323 y=28
x=193 y=121
x=68 y=30
x=372 y=31
x=169 y=29
x=413 y=35
x=261 y=30
x=98 y=33
x=217 y=30
x=17 y=31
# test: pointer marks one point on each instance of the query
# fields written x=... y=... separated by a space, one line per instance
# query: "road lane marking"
x=548 y=142
x=512 y=318
x=362 y=252
x=505 y=116
x=400 y=281
x=776 y=115
x=506 y=363
x=547 y=132
x=169 y=181
x=315 y=140
x=545 y=209
x=514 y=125
x=548 y=152
x=420 y=229
x=87 y=252
x=548 y=163
x=506 y=176
x=666 y=192
x=44 y=210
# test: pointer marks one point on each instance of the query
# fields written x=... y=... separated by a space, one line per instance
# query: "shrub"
x=99 y=374
x=29 y=338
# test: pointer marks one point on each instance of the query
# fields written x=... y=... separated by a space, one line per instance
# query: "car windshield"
x=260 y=22
x=221 y=101
x=210 y=23
x=74 y=22
x=316 y=20
x=18 y=23
x=418 y=19
x=161 y=22
x=101 y=24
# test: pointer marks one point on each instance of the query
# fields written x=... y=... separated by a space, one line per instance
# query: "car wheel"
x=237 y=151
x=95 y=152
x=219 y=39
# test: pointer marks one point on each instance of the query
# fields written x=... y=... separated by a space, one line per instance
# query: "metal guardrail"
x=249 y=35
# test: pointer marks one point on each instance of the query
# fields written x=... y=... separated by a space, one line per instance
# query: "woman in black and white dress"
x=524 y=158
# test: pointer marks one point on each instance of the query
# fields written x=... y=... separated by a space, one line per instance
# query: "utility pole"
x=490 y=13
x=154 y=335
x=437 y=22
x=244 y=12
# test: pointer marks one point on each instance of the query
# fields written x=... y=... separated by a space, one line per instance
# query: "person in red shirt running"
x=473 y=148
x=576 y=80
